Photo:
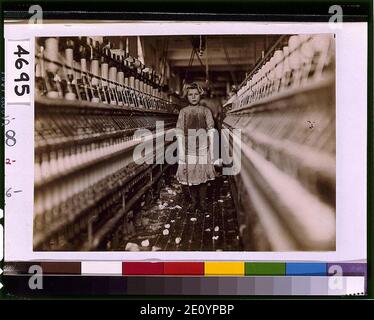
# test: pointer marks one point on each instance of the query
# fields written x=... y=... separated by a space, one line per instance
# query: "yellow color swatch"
x=224 y=268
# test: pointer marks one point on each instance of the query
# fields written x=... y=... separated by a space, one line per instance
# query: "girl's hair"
x=190 y=86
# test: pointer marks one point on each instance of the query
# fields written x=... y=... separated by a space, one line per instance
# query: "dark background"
x=265 y=10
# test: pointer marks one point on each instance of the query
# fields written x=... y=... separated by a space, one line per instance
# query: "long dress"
x=194 y=125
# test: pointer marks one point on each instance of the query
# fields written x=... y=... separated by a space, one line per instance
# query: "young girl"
x=195 y=128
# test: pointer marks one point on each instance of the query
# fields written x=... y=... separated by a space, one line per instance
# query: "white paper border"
x=351 y=133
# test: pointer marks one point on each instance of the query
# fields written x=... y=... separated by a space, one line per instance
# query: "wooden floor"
x=166 y=225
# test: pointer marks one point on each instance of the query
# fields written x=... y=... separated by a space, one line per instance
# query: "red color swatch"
x=142 y=268
x=184 y=268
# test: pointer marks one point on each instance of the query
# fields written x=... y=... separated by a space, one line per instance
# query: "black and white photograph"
x=201 y=142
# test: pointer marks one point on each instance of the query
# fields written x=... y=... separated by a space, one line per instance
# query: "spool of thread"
x=286 y=67
x=112 y=76
x=271 y=70
x=121 y=82
x=77 y=68
x=95 y=71
x=60 y=165
x=51 y=53
x=132 y=82
x=293 y=44
x=53 y=94
x=83 y=65
x=69 y=60
x=307 y=51
x=104 y=74
x=38 y=205
x=37 y=169
x=321 y=44
x=44 y=166
x=38 y=71
x=42 y=66
x=278 y=60
x=95 y=100
x=121 y=78
x=70 y=96
x=286 y=53
x=137 y=84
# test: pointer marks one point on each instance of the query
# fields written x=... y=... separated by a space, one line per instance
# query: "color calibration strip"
x=188 y=278
x=191 y=268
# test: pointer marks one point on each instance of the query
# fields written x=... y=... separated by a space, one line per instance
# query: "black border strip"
x=266 y=10
x=193 y=10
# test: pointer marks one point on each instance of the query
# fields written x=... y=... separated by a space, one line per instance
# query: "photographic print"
x=185 y=143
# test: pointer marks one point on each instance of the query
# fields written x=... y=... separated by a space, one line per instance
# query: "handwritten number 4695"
x=19 y=64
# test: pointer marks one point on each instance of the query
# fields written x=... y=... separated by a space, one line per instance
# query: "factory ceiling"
x=223 y=60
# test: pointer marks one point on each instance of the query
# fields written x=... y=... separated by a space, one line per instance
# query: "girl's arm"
x=211 y=131
x=179 y=131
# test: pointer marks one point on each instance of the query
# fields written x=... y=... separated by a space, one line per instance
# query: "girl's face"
x=193 y=96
